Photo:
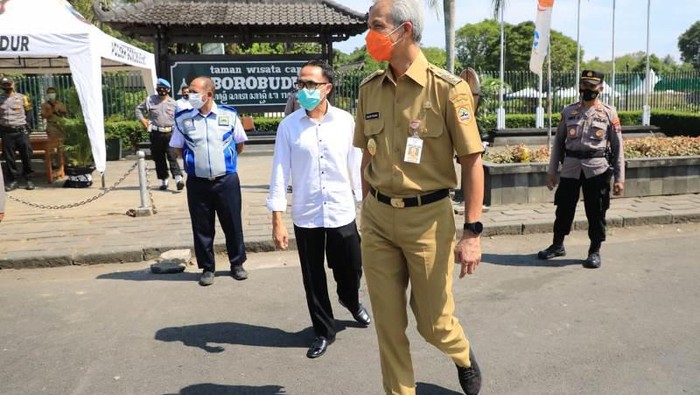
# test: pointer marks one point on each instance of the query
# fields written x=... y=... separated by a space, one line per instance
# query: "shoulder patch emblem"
x=371 y=76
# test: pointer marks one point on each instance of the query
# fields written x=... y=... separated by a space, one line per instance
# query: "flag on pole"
x=540 y=43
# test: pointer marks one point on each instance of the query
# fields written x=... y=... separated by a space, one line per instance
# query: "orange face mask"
x=380 y=46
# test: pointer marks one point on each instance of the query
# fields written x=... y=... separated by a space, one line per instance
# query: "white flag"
x=540 y=43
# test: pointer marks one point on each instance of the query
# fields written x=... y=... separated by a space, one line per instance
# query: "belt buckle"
x=397 y=203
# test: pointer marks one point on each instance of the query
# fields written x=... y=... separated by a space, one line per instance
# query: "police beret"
x=592 y=76
x=163 y=82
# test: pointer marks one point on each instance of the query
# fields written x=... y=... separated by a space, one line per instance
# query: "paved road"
x=537 y=328
x=100 y=232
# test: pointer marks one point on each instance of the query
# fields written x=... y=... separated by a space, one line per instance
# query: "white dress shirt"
x=182 y=104
x=324 y=167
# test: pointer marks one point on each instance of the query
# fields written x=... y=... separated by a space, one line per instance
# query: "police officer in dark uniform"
x=589 y=146
x=157 y=115
x=15 y=118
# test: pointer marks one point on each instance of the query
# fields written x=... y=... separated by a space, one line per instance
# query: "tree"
x=448 y=7
x=478 y=46
x=689 y=45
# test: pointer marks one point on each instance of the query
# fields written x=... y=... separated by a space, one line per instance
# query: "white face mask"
x=195 y=100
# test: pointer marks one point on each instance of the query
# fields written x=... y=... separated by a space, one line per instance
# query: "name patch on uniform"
x=224 y=121
x=372 y=115
x=600 y=119
x=188 y=125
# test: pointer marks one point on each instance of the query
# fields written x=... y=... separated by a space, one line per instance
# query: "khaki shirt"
x=53 y=111
x=588 y=129
x=443 y=104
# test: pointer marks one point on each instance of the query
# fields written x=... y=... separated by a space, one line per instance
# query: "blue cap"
x=163 y=82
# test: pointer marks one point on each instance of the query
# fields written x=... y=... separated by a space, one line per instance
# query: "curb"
x=27 y=260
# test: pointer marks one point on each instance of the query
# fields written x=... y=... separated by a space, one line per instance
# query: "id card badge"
x=414 y=150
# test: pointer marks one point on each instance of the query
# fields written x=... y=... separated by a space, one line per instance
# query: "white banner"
x=540 y=43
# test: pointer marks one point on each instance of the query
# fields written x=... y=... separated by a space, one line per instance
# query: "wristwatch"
x=474 y=227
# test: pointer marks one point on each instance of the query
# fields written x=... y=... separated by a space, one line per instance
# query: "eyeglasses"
x=309 y=84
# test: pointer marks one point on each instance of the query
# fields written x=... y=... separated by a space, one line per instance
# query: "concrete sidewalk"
x=101 y=232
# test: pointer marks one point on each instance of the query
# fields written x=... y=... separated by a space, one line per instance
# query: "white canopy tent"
x=526 y=93
x=50 y=37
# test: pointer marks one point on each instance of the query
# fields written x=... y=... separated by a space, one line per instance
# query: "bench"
x=46 y=149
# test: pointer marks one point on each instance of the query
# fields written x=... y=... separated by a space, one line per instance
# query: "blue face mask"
x=309 y=99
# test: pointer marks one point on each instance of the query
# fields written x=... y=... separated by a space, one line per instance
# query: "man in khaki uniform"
x=53 y=111
x=589 y=131
x=408 y=224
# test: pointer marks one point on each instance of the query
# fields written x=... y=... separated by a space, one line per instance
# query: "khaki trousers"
x=411 y=245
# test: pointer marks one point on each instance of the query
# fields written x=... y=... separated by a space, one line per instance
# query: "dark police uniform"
x=14 y=130
x=408 y=224
x=589 y=146
x=161 y=113
x=210 y=159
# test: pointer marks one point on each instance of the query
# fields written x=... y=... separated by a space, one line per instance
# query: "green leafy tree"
x=689 y=45
x=84 y=7
x=436 y=56
x=478 y=46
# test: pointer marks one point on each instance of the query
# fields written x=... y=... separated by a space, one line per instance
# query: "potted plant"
x=78 y=153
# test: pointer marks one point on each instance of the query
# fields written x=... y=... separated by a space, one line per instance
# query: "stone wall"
x=515 y=183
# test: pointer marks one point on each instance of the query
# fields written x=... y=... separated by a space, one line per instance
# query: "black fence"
x=122 y=92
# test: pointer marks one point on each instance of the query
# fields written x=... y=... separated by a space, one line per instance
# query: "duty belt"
x=13 y=129
x=585 y=154
x=410 y=201
x=165 y=129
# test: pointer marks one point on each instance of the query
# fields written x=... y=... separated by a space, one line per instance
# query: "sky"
x=669 y=19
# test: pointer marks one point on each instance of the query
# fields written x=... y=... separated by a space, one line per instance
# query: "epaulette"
x=445 y=75
x=178 y=113
x=371 y=76
x=228 y=107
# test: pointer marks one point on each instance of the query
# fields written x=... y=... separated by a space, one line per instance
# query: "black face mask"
x=7 y=90
x=162 y=92
x=186 y=96
x=588 y=95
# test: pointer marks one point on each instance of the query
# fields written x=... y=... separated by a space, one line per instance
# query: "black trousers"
x=16 y=141
x=596 y=199
x=164 y=155
x=222 y=197
x=341 y=247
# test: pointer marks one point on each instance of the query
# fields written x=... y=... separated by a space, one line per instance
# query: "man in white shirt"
x=314 y=147
x=183 y=103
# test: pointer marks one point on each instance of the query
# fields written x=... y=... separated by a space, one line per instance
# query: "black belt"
x=410 y=201
x=13 y=129
x=585 y=154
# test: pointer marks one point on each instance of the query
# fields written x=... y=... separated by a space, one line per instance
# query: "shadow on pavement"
x=432 y=389
x=146 y=275
x=218 y=389
x=529 y=260
x=202 y=335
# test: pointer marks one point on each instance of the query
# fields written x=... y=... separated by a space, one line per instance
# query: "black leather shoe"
x=207 y=278
x=11 y=186
x=318 y=347
x=361 y=315
x=30 y=186
x=163 y=187
x=238 y=272
x=470 y=378
x=593 y=261
x=551 y=252
x=180 y=185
